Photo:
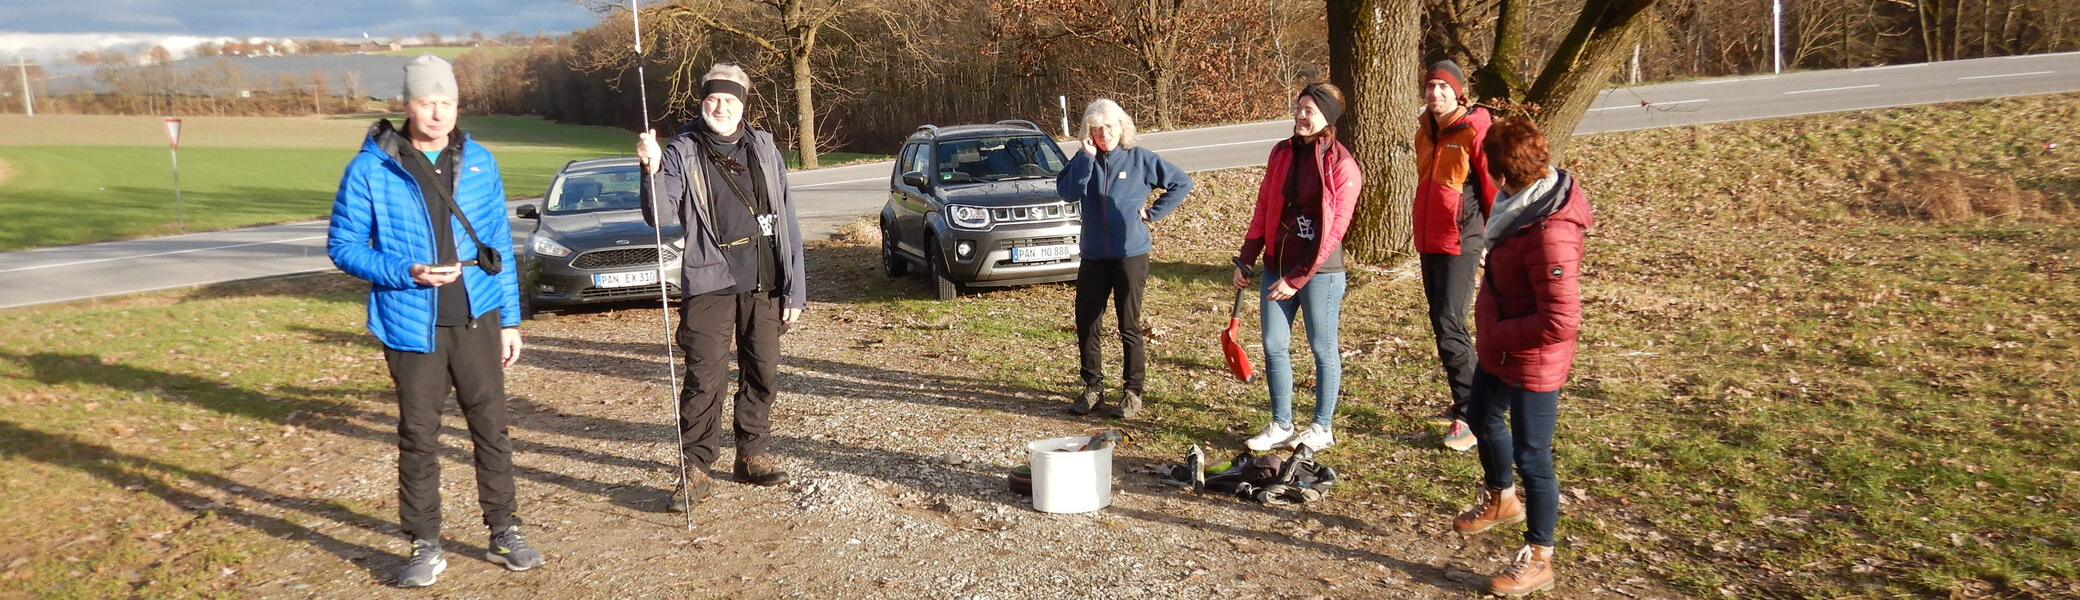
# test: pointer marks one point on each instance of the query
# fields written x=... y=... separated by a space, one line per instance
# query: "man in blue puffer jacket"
x=445 y=306
x=1112 y=178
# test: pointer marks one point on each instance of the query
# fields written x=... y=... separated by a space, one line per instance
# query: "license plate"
x=1042 y=253
x=631 y=278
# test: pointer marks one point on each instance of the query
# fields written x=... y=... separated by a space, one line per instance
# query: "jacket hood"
x=389 y=142
x=1563 y=202
x=1475 y=117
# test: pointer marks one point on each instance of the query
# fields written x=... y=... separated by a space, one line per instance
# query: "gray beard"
x=718 y=128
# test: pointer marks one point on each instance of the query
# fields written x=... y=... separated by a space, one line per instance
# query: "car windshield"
x=997 y=159
x=589 y=191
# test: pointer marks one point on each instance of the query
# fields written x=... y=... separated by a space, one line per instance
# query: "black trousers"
x=1123 y=279
x=707 y=326
x=1448 y=286
x=465 y=359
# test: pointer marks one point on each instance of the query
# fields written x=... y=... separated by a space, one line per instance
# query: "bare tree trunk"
x=1498 y=77
x=804 y=108
x=1375 y=57
x=1582 y=65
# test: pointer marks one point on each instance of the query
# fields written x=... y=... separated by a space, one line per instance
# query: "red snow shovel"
x=1238 y=360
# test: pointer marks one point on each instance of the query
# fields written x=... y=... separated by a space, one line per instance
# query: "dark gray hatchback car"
x=590 y=244
x=975 y=205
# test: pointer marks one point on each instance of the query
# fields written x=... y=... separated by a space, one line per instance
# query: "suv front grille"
x=621 y=257
x=1035 y=213
x=1044 y=241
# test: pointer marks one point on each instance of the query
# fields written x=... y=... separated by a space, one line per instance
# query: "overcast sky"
x=279 y=18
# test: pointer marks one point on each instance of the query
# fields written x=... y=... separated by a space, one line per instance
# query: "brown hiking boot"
x=759 y=470
x=703 y=487
x=1531 y=571
x=1496 y=507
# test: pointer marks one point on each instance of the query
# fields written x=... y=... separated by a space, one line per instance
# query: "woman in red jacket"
x=1526 y=317
x=1303 y=207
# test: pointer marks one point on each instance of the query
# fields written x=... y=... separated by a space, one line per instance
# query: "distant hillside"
x=382 y=75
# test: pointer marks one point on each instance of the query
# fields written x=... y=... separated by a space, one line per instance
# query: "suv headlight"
x=548 y=247
x=969 y=217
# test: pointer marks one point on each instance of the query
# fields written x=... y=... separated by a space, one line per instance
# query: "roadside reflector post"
x=173 y=143
x=1064 y=100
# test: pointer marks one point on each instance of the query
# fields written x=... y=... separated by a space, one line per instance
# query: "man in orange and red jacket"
x=1452 y=195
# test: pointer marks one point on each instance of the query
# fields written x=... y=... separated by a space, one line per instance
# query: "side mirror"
x=916 y=179
x=527 y=211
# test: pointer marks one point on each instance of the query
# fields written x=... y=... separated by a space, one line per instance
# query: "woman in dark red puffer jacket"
x=1526 y=317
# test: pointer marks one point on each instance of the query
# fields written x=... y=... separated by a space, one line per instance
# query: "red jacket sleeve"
x=1268 y=200
x=1556 y=287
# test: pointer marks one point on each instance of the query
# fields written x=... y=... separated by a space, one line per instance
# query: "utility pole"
x=1776 y=29
x=28 y=99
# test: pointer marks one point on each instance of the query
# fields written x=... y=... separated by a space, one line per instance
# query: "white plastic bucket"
x=1071 y=481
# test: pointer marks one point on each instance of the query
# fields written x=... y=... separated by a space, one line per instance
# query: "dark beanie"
x=1331 y=109
x=1451 y=73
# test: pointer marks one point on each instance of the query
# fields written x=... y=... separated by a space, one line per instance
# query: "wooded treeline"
x=867 y=72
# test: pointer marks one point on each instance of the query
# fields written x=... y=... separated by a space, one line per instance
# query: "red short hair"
x=1516 y=152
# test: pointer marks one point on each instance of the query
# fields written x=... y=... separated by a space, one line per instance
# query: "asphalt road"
x=829 y=198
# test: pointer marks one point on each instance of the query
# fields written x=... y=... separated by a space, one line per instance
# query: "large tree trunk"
x=1375 y=57
x=1582 y=65
x=804 y=108
x=1498 y=77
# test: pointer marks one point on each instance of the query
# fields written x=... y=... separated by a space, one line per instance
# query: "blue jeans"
x=1322 y=300
x=1515 y=428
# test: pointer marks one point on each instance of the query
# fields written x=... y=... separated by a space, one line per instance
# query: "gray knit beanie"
x=428 y=75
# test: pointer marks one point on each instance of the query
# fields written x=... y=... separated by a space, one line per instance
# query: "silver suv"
x=975 y=205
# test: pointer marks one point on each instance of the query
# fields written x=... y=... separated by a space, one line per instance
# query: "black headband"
x=1331 y=109
x=723 y=86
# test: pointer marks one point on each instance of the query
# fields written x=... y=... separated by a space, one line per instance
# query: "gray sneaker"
x=511 y=550
x=426 y=565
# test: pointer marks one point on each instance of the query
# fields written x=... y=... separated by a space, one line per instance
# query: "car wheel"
x=942 y=283
x=892 y=264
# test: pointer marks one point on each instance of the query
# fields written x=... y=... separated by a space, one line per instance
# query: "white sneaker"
x=1273 y=436
x=1314 y=436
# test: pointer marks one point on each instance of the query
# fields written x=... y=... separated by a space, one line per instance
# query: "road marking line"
x=1758 y=78
x=1833 y=89
x=812 y=185
x=170 y=287
x=1649 y=104
x=168 y=253
x=2007 y=75
x=1226 y=144
x=1881 y=68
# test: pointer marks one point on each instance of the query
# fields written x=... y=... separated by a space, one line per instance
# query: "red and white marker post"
x=173 y=141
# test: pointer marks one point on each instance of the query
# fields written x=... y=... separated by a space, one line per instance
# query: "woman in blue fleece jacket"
x=1112 y=178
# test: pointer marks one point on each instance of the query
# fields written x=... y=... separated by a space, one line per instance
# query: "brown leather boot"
x=701 y=487
x=1496 y=507
x=1531 y=571
x=759 y=470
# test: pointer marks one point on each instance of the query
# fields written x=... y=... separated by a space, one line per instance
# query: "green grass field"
x=73 y=179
